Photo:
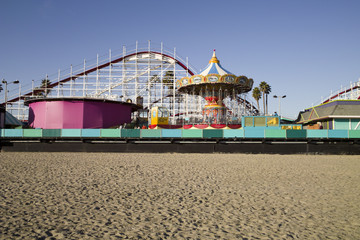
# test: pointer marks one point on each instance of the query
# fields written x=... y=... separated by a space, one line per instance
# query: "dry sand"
x=178 y=196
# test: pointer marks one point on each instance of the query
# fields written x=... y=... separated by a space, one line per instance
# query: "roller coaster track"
x=247 y=104
x=129 y=57
x=342 y=93
x=91 y=70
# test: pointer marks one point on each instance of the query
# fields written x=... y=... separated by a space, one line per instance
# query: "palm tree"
x=256 y=95
x=267 y=92
x=263 y=86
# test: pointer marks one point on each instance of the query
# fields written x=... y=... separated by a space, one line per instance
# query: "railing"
x=352 y=92
x=240 y=134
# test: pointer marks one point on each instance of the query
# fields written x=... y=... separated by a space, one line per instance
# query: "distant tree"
x=267 y=92
x=256 y=95
x=168 y=80
x=153 y=80
x=43 y=90
x=264 y=89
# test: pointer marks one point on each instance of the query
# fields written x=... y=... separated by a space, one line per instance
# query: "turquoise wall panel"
x=355 y=123
x=1 y=132
x=254 y=132
x=90 y=132
x=130 y=133
x=212 y=133
x=338 y=133
x=275 y=133
x=150 y=133
x=354 y=133
x=71 y=133
x=341 y=124
x=13 y=132
x=233 y=133
x=51 y=132
x=171 y=133
x=316 y=133
x=296 y=133
x=192 y=133
x=32 y=132
x=113 y=133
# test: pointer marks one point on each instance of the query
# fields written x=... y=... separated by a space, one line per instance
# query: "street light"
x=280 y=97
x=6 y=91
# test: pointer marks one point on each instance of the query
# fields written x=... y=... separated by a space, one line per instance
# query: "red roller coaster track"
x=340 y=93
x=52 y=85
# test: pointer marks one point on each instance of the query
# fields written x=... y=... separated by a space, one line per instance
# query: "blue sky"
x=303 y=49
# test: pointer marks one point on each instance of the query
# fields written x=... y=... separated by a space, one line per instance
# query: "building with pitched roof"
x=338 y=114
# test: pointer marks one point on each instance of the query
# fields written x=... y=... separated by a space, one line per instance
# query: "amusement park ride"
x=215 y=84
x=133 y=82
x=144 y=77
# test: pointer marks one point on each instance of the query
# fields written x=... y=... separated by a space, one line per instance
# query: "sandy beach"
x=178 y=196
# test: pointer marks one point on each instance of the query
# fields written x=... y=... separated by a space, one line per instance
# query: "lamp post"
x=6 y=91
x=279 y=97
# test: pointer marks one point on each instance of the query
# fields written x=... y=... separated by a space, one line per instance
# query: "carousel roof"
x=214 y=67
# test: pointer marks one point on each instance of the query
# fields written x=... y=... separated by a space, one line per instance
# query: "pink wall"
x=77 y=114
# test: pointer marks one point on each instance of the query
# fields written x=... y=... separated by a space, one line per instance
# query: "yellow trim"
x=316 y=113
x=249 y=82
x=212 y=75
x=179 y=83
x=312 y=110
x=338 y=100
x=223 y=77
x=200 y=76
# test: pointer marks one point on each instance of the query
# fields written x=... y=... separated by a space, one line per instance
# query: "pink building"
x=57 y=113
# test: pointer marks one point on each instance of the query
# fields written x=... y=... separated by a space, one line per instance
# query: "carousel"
x=214 y=84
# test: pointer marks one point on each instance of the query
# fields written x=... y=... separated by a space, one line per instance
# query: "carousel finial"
x=214 y=58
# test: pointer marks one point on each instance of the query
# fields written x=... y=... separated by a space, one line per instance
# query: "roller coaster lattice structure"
x=144 y=75
x=352 y=92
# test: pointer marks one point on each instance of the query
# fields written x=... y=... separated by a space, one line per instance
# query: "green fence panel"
x=71 y=133
x=317 y=133
x=130 y=133
x=212 y=133
x=51 y=132
x=171 y=133
x=338 y=134
x=301 y=134
x=254 y=132
x=275 y=133
x=111 y=133
x=150 y=133
x=90 y=132
x=32 y=132
x=13 y=132
x=341 y=123
x=354 y=133
x=354 y=124
x=192 y=133
x=233 y=133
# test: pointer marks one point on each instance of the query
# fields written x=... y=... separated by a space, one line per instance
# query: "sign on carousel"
x=212 y=78
x=197 y=79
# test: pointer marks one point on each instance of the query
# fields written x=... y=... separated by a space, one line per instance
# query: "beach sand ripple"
x=178 y=196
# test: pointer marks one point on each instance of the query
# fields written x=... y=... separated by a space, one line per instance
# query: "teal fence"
x=71 y=132
x=245 y=133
